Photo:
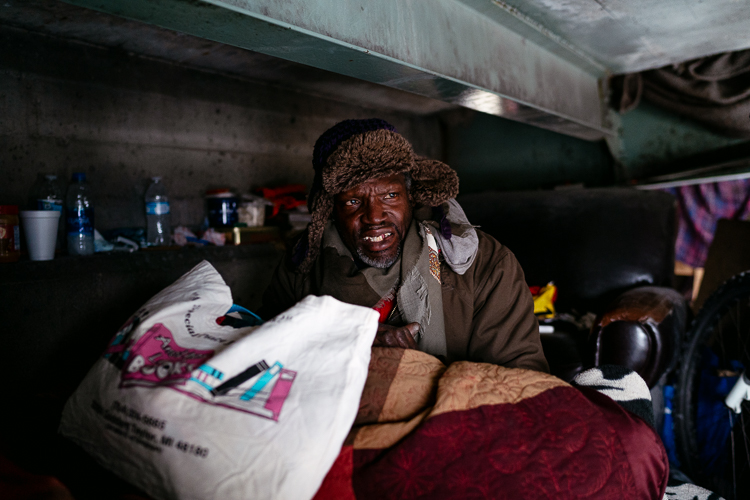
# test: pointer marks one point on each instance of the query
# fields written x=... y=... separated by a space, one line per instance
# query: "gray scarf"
x=415 y=277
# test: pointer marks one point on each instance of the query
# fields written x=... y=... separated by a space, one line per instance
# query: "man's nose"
x=373 y=213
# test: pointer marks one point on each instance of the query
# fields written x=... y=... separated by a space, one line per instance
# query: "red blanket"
x=470 y=431
x=477 y=430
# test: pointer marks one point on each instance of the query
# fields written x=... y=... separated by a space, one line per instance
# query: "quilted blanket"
x=476 y=430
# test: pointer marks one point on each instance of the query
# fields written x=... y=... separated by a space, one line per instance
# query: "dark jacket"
x=488 y=311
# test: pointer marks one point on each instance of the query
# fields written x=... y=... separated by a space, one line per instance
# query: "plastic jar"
x=221 y=206
x=10 y=238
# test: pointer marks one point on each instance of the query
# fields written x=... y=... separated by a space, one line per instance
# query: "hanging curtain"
x=699 y=208
x=714 y=90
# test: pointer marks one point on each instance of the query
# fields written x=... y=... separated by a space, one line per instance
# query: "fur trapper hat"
x=354 y=151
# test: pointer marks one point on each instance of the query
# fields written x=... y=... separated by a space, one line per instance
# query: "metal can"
x=221 y=207
x=10 y=238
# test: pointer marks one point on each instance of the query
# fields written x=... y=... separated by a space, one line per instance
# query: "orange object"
x=544 y=300
x=10 y=241
x=284 y=197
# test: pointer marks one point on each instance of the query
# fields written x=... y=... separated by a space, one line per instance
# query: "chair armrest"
x=641 y=330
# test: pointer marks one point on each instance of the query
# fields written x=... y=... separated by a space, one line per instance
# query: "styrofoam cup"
x=40 y=228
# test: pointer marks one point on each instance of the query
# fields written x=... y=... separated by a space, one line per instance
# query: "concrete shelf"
x=68 y=308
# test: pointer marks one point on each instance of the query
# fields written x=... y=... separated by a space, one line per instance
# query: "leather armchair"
x=641 y=330
x=609 y=251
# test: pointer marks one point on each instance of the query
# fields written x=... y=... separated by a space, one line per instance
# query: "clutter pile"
x=265 y=215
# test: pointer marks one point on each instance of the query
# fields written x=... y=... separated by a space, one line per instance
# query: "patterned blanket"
x=477 y=430
x=470 y=431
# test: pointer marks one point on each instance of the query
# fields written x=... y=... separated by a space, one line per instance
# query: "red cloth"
x=527 y=450
x=338 y=482
x=18 y=484
x=384 y=307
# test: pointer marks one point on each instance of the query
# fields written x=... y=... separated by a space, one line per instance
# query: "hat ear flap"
x=434 y=182
x=323 y=207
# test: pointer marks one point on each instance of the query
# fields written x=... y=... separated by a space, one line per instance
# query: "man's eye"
x=391 y=195
x=351 y=203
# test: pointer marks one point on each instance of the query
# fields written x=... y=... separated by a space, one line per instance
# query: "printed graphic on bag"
x=260 y=389
x=156 y=360
x=117 y=352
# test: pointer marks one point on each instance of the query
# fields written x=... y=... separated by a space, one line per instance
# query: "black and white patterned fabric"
x=632 y=393
x=621 y=384
x=686 y=491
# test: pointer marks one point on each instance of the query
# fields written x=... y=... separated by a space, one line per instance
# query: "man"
x=387 y=233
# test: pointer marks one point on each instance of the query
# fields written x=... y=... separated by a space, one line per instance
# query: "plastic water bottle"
x=80 y=216
x=48 y=194
x=158 y=230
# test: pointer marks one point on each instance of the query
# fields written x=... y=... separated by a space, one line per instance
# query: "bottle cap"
x=156 y=178
x=219 y=193
x=79 y=177
x=8 y=209
x=50 y=177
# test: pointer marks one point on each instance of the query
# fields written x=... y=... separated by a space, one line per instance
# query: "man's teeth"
x=377 y=238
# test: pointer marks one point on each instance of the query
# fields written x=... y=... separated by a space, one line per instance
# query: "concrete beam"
x=443 y=49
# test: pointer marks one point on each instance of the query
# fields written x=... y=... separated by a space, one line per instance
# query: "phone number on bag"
x=192 y=449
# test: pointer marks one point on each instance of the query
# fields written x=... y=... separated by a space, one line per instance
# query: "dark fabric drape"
x=714 y=90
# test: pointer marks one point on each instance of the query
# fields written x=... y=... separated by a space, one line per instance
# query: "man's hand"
x=396 y=336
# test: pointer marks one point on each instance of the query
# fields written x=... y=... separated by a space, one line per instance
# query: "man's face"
x=372 y=219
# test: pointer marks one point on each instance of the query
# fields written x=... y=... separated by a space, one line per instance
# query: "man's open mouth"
x=375 y=239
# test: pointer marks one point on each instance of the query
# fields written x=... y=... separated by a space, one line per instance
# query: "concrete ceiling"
x=80 y=25
x=542 y=62
x=626 y=36
x=441 y=49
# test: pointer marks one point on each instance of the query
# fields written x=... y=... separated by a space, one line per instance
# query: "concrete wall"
x=491 y=153
x=68 y=106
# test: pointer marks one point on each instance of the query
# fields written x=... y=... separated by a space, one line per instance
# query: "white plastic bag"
x=183 y=407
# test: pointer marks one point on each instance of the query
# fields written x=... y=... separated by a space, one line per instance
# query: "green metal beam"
x=651 y=141
x=442 y=49
x=492 y=153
